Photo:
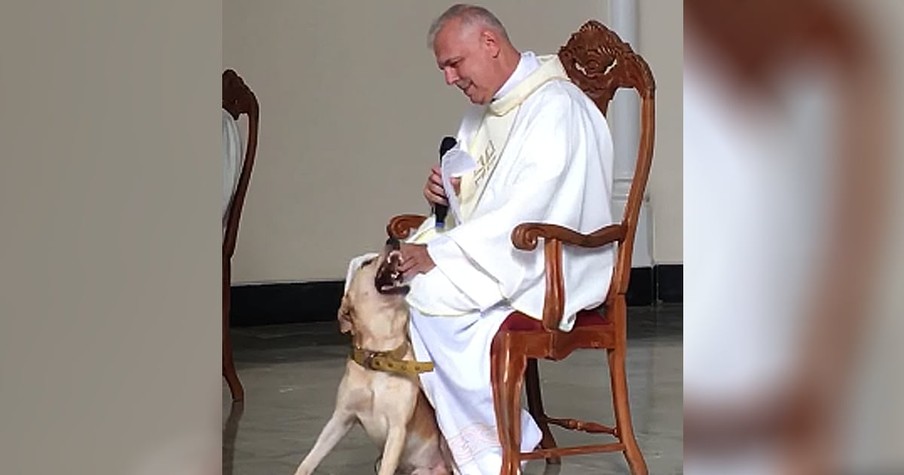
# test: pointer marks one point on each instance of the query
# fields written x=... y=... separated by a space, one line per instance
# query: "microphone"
x=441 y=210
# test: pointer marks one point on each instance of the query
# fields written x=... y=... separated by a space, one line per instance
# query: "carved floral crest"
x=599 y=63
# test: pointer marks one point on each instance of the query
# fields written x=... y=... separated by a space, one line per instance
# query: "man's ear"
x=345 y=316
x=489 y=40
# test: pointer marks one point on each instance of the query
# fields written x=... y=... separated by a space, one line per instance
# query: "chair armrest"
x=400 y=226
x=525 y=237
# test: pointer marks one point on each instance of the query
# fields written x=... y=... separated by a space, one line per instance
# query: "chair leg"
x=232 y=378
x=506 y=373
x=624 y=428
x=535 y=407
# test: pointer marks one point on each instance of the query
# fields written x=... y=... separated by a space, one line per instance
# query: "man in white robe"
x=543 y=153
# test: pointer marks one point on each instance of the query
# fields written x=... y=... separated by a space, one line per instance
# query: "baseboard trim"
x=669 y=279
x=302 y=302
x=641 y=287
x=296 y=302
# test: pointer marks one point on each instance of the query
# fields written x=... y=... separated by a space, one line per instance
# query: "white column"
x=624 y=120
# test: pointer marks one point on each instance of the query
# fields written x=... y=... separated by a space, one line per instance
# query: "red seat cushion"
x=517 y=321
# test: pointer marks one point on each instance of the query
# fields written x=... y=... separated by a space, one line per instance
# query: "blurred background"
x=793 y=219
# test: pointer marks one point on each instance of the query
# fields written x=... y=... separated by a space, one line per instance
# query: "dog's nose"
x=393 y=243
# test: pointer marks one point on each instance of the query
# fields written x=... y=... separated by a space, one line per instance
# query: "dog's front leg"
x=392 y=451
x=331 y=434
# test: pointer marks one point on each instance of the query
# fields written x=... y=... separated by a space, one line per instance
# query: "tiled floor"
x=291 y=372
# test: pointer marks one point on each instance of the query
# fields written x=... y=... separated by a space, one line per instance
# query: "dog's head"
x=377 y=286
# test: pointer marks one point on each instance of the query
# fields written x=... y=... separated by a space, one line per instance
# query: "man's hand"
x=433 y=190
x=415 y=260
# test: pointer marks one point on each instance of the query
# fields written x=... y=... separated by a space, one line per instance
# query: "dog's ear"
x=345 y=316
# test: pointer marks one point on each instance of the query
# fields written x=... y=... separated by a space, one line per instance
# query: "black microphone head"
x=448 y=143
x=441 y=210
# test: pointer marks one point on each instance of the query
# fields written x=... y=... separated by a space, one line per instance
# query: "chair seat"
x=519 y=322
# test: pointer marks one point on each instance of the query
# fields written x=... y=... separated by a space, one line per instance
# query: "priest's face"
x=467 y=56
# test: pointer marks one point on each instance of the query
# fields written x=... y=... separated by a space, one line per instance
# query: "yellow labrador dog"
x=380 y=387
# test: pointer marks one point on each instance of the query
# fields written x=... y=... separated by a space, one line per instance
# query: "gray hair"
x=469 y=15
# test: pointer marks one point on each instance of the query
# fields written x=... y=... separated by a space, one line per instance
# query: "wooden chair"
x=237 y=99
x=599 y=63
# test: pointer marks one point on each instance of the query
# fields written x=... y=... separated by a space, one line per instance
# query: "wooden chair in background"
x=238 y=99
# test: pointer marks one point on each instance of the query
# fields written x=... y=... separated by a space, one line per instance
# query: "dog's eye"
x=369 y=262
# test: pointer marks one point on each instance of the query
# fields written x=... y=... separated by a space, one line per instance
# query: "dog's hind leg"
x=331 y=434
x=392 y=451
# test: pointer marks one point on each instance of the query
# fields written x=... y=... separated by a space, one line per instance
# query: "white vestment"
x=544 y=154
x=757 y=181
x=233 y=159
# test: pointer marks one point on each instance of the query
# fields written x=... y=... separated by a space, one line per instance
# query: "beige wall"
x=661 y=43
x=352 y=112
x=110 y=275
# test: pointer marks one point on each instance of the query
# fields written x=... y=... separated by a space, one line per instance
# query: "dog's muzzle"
x=389 y=279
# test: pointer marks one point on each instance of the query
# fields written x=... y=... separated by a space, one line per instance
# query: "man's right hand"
x=433 y=190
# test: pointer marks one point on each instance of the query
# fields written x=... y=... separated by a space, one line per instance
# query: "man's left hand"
x=415 y=260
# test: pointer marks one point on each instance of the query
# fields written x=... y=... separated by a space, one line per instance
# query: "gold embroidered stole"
x=491 y=137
